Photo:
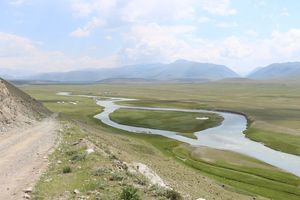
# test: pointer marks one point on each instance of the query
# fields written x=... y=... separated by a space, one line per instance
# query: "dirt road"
x=23 y=156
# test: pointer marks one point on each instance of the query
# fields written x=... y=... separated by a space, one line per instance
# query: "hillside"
x=289 y=70
x=178 y=70
x=17 y=108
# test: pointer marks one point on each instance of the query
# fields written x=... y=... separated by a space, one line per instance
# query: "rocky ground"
x=17 y=108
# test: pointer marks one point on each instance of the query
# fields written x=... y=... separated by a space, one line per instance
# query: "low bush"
x=79 y=157
x=101 y=171
x=117 y=176
x=129 y=193
x=67 y=170
x=173 y=195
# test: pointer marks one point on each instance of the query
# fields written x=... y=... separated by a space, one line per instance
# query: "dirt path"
x=23 y=156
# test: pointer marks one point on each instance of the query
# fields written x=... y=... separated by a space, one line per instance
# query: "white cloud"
x=286 y=43
x=147 y=38
x=133 y=12
x=86 y=30
x=108 y=37
x=81 y=8
x=17 y=2
x=153 y=43
x=285 y=12
x=227 y=24
x=154 y=10
x=218 y=7
x=156 y=43
x=18 y=52
x=262 y=3
x=203 y=20
x=86 y=8
x=97 y=13
x=251 y=33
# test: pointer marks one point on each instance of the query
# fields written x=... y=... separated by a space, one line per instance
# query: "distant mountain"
x=14 y=73
x=179 y=70
x=289 y=70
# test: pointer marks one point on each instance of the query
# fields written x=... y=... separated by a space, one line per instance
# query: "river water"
x=227 y=136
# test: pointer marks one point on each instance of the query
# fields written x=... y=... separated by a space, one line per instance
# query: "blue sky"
x=63 y=35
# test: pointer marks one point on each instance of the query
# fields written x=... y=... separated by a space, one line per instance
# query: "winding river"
x=227 y=136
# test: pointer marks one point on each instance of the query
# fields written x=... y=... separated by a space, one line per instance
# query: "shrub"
x=71 y=152
x=173 y=195
x=129 y=193
x=117 y=176
x=157 y=191
x=79 y=157
x=101 y=171
x=113 y=157
x=95 y=185
x=67 y=170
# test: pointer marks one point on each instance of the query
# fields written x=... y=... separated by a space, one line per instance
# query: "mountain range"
x=289 y=70
x=178 y=71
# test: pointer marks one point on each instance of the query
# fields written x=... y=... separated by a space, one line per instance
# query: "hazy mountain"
x=277 y=71
x=183 y=69
x=179 y=70
x=14 y=73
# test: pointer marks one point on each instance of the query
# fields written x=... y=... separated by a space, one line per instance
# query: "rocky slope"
x=17 y=108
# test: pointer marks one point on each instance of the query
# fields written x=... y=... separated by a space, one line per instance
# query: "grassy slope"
x=258 y=180
x=254 y=178
x=126 y=146
x=183 y=123
x=279 y=141
x=96 y=176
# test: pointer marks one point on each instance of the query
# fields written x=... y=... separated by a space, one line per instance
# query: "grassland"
x=183 y=123
x=272 y=108
x=113 y=146
x=75 y=174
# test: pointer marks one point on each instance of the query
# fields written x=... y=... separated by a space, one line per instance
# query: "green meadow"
x=183 y=123
x=272 y=110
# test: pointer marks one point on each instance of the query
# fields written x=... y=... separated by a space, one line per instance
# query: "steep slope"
x=277 y=71
x=181 y=69
x=17 y=108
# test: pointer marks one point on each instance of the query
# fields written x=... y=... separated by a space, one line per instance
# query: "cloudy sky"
x=62 y=35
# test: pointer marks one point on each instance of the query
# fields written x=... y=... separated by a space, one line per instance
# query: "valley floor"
x=23 y=153
x=272 y=109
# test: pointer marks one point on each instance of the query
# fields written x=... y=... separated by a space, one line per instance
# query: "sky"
x=62 y=35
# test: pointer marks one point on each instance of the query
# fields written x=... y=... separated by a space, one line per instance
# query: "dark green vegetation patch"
x=182 y=122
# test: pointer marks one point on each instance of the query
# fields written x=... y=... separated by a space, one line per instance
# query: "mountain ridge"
x=180 y=69
x=277 y=71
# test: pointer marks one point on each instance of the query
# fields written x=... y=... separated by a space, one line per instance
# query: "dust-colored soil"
x=23 y=156
x=18 y=108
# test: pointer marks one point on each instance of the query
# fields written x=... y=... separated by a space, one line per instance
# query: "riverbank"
x=256 y=181
x=227 y=136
